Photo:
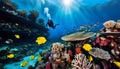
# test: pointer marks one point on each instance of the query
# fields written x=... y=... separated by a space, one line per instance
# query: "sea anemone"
x=80 y=62
x=100 y=53
x=109 y=24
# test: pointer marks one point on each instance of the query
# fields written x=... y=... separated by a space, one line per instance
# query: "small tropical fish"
x=41 y=40
x=39 y=57
x=17 y=36
x=87 y=47
x=32 y=57
x=117 y=63
x=90 y=58
x=23 y=64
x=10 y=56
x=8 y=41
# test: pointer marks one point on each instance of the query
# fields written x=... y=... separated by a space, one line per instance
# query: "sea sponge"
x=109 y=24
x=80 y=62
x=118 y=24
x=57 y=47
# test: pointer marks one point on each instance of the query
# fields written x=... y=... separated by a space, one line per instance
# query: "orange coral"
x=78 y=50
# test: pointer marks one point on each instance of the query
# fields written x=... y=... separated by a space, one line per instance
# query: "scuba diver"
x=51 y=24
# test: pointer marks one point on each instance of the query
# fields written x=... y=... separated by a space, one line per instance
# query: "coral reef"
x=9 y=5
x=33 y=15
x=57 y=47
x=109 y=24
x=80 y=62
x=22 y=13
x=118 y=24
x=41 y=22
x=100 y=53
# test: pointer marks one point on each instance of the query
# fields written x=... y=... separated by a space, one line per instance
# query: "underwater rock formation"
x=8 y=5
x=11 y=24
x=22 y=13
x=33 y=15
x=41 y=22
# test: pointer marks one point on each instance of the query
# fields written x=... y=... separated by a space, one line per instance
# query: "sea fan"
x=100 y=53
x=80 y=62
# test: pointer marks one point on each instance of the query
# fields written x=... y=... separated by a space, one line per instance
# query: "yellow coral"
x=17 y=36
x=23 y=64
x=39 y=57
x=90 y=58
x=117 y=63
x=10 y=56
x=41 y=40
x=87 y=47
x=32 y=57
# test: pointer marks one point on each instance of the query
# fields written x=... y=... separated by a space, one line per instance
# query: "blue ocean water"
x=79 y=13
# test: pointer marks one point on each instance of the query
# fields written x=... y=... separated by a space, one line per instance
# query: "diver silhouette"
x=51 y=24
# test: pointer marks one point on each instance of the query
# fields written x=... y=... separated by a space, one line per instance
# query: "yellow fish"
x=17 y=36
x=23 y=64
x=117 y=63
x=10 y=56
x=41 y=40
x=90 y=58
x=87 y=47
x=32 y=57
x=39 y=57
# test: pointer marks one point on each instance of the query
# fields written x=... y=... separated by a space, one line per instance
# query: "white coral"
x=80 y=62
x=57 y=47
x=109 y=24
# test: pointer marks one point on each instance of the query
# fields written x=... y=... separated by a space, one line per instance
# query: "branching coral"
x=109 y=24
x=57 y=47
x=100 y=53
x=80 y=62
